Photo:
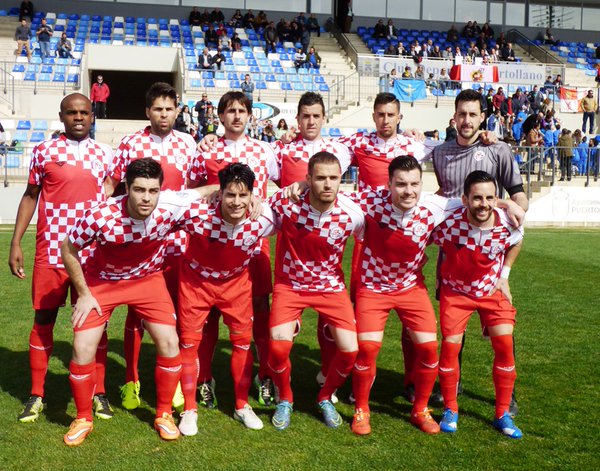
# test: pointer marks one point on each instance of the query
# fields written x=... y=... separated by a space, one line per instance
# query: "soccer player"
x=175 y=152
x=125 y=267
x=456 y=159
x=398 y=225
x=66 y=176
x=234 y=110
x=214 y=273
x=308 y=273
x=479 y=248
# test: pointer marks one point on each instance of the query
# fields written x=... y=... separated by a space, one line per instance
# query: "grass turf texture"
x=555 y=288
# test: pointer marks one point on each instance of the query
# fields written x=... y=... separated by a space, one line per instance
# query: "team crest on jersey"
x=181 y=159
x=336 y=233
x=97 y=165
x=163 y=231
x=479 y=155
x=250 y=240
x=419 y=229
x=496 y=249
x=253 y=162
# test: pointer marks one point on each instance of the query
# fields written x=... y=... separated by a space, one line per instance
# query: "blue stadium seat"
x=18 y=68
x=234 y=84
x=40 y=125
x=58 y=77
x=44 y=77
x=73 y=78
x=209 y=83
x=323 y=87
x=37 y=136
x=24 y=124
x=21 y=136
x=261 y=85
x=29 y=76
x=286 y=86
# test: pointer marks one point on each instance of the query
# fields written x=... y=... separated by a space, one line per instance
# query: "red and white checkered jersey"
x=311 y=243
x=473 y=257
x=395 y=240
x=372 y=155
x=175 y=152
x=128 y=248
x=293 y=157
x=258 y=155
x=71 y=176
x=218 y=250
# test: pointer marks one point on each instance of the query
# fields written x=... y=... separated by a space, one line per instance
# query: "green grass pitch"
x=556 y=289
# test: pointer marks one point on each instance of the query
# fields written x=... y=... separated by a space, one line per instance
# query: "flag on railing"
x=570 y=99
x=410 y=90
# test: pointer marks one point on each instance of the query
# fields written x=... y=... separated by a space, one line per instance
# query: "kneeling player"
x=398 y=225
x=479 y=247
x=214 y=274
x=130 y=232
x=308 y=273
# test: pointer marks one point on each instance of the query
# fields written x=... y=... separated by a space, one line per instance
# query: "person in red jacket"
x=99 y=97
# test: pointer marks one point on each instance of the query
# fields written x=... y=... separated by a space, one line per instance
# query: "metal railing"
x=36 y=84
x=539 y=53
x=8 y=87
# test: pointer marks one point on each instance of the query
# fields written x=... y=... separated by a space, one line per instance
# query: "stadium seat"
x=37 y=136
x=40 y=125
x=21 y=136
x=24 y=124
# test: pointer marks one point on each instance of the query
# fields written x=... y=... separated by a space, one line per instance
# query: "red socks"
x=206 y=348
x=363 y=374
x=281 y=367
x=83 y=385
x=449 y=374
x=424 y=373
x=241 y=367
x=132 y=342
x=504 y=372
x=167 y=374
x=340 y=368
x=327 y=345
x=41 y=343
x=189 y=373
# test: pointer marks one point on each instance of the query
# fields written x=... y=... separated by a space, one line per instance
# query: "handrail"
x=8 y=89
x=535 y=51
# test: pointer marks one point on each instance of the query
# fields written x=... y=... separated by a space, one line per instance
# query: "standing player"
x=308 y=273
x=454 y=160
x=214 y=273
x=175 y=151
x=66 y=176
x=480 y=247
x=234 y=110
x=125 y=268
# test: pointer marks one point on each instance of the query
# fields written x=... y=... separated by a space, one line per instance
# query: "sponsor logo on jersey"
x=253 y=161
x=496 y=249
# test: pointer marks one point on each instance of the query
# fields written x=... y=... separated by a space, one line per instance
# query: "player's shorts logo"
x=253 y=162
x=250 y=240
x=419 y=229
x=336 y=233
x=180 y=159
x=479 y=155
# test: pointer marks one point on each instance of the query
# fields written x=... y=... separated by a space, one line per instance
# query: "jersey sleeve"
x=267 y=222
x=350 y=143
x=272 y=163
x=36 y=168
x=83 y=233
x=516 y=233
x=343 y=155
x=193 y=217
x=360 y=198
x=120 y=161
x=277 y=204
x=197 y=172
x=509 y=175
x=441 y=207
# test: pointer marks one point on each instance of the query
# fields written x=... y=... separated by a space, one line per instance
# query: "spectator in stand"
x=473 y=52
x=558 y=83
x=216 y=16
x=431 y=83
x=402 y=51
x=22 y=36
x=210 y=36
x=507 y=53
x=237 y=19
x=300 y=19
x=469 y=31
x=26 y=10
x=458 y=53
x=583 y=151
x=261 y=20
x=211 y=121
x=224 y=41
x=205 y=60
x=195 y=17
x=436 y=53
x=594 y=160
x=268 y=133
x=443 y=80
x=304 y=37
x=299 y=59
x=575 y=161
x=313 y=59
x=534 y=137
x=99 y=96
x=549 y=38
x=295 y=32
x=519 y=100
x=420 y=73
x=271 y=38
x=236 y=43
x=249 y=19
x=452 y=35
x=447 y=53
x=501 y=41
x=218 y=59
x=248 y=88
x=283 y=30
x=44 y=33
x=312 y=24
x=393 y=77
x=494 y=124
x=494 y=56
x=536 y=97
x=391 y=30
x=184 y=120
x=407 y=74
x=488 y=31
x=481 y=42
x=589 y=106
x=391 y=50
x=498 y=99
x=201 y=108
x=489 y=99
x=565 y=155
x=451 y=132
x=282 y=128
x=380 y=30
x=64 y=47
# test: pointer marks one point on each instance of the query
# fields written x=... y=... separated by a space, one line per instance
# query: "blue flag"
x=410 y=90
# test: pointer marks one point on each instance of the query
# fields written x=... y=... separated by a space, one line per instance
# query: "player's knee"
x=45 y=316
x=167 y=344
x=427 y=354
x=241 y=339
x=368 y=351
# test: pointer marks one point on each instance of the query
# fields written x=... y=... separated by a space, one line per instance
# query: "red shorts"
x=413 y=307
x=50 y=287
x=456 y=309
x=260 y=271
x=288 y=305
x=148 y=296
x=197 y=296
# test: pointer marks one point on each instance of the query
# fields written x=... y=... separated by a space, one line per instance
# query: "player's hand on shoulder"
x=294 y=191
x=415 y=134
x=15 y=261
x=255 y=209
x=208 y=143
x=516 y=214
x=82 y=309
x=488 y=137
x=288 y=136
